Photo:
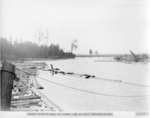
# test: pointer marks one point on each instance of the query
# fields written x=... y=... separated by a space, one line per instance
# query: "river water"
x=130 y=91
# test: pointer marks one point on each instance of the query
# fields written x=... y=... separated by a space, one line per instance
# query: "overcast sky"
x=109 y=26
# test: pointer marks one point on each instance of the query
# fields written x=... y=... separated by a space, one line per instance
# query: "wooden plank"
x=21 y=102
x=26 y=98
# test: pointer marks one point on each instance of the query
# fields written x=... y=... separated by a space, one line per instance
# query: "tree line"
x=31 y=50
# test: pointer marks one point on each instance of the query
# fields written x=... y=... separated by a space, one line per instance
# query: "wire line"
x=100 y=78
x=86 y=91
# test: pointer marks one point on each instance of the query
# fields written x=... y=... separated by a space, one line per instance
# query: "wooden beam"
x=7 y=77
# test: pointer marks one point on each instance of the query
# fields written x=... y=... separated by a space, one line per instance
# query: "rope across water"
x=87 y=91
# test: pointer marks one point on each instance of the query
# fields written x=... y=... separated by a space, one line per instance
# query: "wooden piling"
x=6 y=85
x=0 y=88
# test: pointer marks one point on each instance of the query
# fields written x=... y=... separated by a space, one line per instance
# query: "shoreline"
x=48 y=104
x=26 y=95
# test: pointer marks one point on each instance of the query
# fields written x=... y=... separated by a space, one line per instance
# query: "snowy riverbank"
x=25 y=93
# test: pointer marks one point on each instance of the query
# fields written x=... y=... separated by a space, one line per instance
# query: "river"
x=117 y=86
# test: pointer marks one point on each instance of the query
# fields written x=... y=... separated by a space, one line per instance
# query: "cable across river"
x=86 y=91
x=54 y=71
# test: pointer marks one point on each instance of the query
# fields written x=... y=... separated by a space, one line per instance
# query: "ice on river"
x=73 y=93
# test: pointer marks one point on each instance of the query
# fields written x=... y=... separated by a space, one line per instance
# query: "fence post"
x=0 y=87
x=7 y=77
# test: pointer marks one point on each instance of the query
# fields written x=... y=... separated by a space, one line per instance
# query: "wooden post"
x=52 y=69
x=7 y=77
x=0 y=87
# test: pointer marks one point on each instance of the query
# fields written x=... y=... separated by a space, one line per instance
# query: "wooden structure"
x=7 y=75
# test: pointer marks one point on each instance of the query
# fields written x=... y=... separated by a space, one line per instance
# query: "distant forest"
x=31 y=50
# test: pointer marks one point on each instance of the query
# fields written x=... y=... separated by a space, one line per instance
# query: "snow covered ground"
x=73 y=93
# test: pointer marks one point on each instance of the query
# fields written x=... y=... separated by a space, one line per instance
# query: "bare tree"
x=74 y=45
x=42 y=36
